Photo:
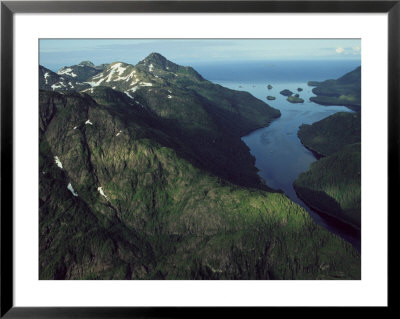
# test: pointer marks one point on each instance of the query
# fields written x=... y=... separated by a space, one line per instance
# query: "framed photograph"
x=158 y=156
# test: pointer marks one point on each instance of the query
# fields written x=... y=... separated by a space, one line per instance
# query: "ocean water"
x=280 y=156
x=277 y=71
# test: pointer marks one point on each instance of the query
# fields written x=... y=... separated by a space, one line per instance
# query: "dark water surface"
x=280 y=156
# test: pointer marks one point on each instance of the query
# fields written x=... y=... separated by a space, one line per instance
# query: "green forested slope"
x=332 y=185
x=139 y=207
x=332 y=133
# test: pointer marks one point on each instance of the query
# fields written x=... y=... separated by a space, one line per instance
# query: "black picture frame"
x=9 y=8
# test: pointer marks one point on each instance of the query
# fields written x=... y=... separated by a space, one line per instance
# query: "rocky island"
x=286 y=92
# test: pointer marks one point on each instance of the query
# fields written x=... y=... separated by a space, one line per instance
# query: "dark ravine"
x=148 y=202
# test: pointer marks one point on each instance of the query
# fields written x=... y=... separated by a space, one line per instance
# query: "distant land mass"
x=345 y=91
x=143 y=175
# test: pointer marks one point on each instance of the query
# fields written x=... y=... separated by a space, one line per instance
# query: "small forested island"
x=295 y=99
x=345 y=90
x=144 y=175
x=269 y=86
x=332 y=185
x=286 y=92
x=271 y=98
x=299 y=89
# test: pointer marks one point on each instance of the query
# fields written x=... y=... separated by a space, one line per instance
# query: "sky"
x=56 y=53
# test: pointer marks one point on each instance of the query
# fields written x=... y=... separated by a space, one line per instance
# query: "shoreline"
x=317 y=155
x=353 y=107
x=246 y=133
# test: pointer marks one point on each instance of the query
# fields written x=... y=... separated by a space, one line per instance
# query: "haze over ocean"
x=56 y=53
x=276 y=70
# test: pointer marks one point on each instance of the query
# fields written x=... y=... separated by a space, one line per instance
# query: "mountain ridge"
x=208 y=118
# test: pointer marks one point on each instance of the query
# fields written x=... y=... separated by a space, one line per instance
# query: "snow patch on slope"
x=100 y=189
x=58 y=85
x=46 y=75
x=116 y=68
x=67 y=71
x=72 y=190
x=89 y=89
x=58 y=162
x=127 y=93
x=92 y=84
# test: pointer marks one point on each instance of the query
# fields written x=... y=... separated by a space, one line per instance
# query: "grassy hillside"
x=120 y=198
x=345 y=90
